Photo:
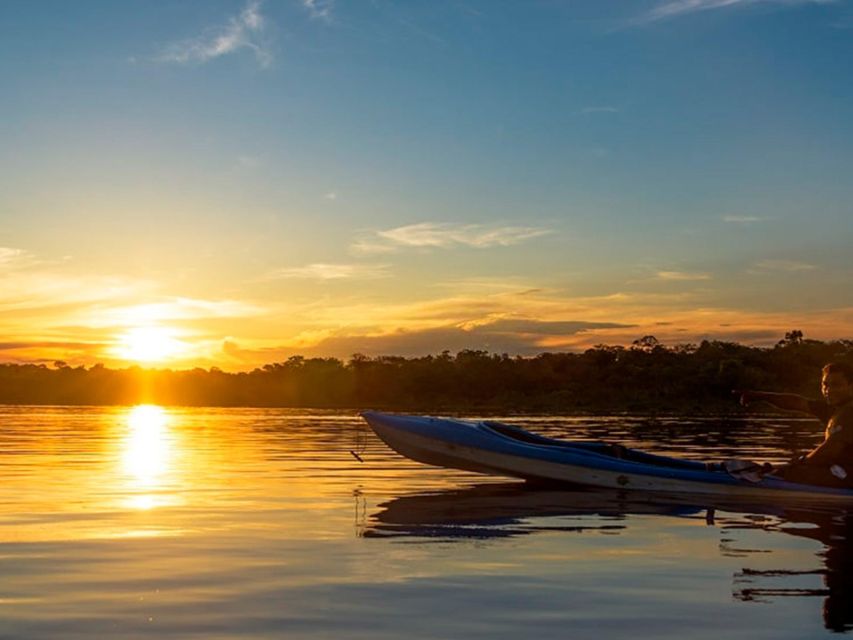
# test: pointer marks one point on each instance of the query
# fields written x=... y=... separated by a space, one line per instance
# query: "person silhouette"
x=831 y=462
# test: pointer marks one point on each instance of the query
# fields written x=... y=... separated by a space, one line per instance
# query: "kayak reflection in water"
x=831 y=463
x=497 y=512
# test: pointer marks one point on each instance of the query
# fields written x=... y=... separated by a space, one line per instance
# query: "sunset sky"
x=197 y=183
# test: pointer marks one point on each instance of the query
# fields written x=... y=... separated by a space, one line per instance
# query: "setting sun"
x=149 y=344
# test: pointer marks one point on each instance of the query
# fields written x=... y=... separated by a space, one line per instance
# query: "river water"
x=144 y=521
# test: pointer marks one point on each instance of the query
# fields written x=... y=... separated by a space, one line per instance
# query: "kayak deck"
x=601 y=448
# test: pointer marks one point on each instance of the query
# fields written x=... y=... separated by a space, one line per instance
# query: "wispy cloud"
x=170 y=310
x=244 y=31
x=682 y=276
x=784 y=265
x=488 y=284
x=11 y=258
x=432 y=235
x=675 y=8
x=733 y=219
x=370 y=245
x=44 y=289
x=319 y=9
x=326 y=271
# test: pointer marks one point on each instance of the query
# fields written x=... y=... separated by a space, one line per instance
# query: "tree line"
x=646 y=376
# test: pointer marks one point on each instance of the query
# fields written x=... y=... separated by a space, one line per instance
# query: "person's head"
x=836 y=383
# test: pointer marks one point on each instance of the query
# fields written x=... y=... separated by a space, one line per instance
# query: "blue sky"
x=257 y=179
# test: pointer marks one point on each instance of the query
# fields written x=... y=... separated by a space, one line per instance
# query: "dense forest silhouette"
x=645 y=377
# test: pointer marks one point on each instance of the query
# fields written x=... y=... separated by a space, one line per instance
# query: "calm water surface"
x=138 y=522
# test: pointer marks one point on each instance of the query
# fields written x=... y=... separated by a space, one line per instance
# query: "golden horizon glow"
x=142 y=328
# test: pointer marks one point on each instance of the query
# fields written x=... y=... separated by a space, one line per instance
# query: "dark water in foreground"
x=134 y=523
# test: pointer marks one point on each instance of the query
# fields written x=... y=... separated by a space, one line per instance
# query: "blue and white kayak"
x=504 y=450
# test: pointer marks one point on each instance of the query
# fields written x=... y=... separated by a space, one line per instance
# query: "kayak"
x=499 y=449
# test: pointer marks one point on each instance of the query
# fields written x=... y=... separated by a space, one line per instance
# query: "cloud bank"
x=513 y=336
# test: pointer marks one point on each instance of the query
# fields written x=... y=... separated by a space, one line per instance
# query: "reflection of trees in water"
x=505 y=510
x=834 y=530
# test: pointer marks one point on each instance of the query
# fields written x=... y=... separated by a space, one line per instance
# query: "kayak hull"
x=502 y=450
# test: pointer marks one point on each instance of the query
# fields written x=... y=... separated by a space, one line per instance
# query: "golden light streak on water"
x=147 y=453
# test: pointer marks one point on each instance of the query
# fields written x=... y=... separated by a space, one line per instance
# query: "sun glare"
x=147 y=451
x=147 y=445
x=149 y=344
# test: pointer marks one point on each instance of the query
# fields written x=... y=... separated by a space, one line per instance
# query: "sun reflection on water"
x=147 y=455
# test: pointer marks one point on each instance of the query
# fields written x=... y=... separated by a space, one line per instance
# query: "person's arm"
x=839 y=440
x=830 y=451
x=787 y=401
